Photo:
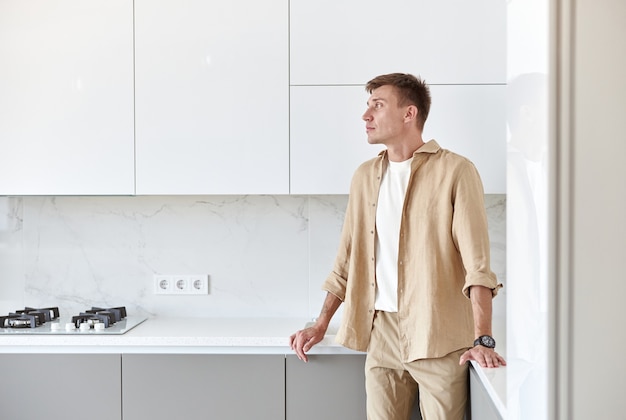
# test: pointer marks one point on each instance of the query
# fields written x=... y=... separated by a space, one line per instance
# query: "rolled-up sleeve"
x=470 y=231
x=337 y=281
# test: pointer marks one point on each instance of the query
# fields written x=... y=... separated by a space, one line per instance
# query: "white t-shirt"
x=388 y=218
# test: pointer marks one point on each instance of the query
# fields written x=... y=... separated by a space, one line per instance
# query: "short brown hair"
x=411 y=91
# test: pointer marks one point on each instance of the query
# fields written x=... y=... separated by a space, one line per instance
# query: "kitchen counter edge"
x=180 y=335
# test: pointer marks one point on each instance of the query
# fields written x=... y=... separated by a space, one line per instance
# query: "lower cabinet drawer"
x=60 y=386
x=336 y=381
x=195 y=387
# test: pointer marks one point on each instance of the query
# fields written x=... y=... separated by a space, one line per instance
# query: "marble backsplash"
x=266 y=255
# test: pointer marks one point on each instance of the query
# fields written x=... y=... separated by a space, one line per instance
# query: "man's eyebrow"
x=376 y=100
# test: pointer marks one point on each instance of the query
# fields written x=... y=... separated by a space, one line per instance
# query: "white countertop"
x=179 y=335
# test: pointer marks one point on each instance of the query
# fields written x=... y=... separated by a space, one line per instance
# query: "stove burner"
x=18 y=320
x=108 y=316
x=28 y=317
x=92 y=319
x=49 y=313
x=118 y=313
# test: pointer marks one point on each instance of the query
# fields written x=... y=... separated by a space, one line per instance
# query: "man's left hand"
x=484 y=356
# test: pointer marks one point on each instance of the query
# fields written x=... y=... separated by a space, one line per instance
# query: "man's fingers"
x=298 y=343
x=489 y=359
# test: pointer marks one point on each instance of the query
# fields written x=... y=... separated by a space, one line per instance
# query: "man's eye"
x=378 y=105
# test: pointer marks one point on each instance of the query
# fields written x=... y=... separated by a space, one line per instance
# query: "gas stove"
x=48 y=321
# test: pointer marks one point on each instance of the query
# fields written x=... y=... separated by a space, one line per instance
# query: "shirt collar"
x=429 y=147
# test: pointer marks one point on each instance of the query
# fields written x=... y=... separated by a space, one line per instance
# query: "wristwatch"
x=486 y=341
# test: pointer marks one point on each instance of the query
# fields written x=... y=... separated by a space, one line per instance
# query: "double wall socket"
x=175 y=284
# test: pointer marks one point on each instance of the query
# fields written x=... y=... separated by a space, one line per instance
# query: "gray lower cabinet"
x=203 y=387
x=329 y=387
x=60 y=386
x=181 y=386
x=481 y=404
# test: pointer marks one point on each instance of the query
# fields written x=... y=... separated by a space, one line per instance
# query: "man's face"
x=384 y=119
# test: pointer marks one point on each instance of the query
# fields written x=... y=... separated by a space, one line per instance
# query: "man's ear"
x=411 y=113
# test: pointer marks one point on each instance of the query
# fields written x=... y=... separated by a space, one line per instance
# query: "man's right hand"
x=302 y=341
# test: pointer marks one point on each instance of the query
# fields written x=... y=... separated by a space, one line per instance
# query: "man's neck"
x=405 y=150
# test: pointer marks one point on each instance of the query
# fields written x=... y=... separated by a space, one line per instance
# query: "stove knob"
x=55 y=326
x=70 y=326
x=84 y=327
x=98 y=327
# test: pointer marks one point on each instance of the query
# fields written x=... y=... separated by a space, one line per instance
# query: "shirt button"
x=373 y=285
x=370 y=311
x=372 y=232
x=400 y=262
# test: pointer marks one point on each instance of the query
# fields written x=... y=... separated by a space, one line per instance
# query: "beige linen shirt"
x=443 y=251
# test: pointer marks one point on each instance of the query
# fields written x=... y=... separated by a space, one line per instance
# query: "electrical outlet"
x=162 y=284
x=181 y=284
x=199 y=284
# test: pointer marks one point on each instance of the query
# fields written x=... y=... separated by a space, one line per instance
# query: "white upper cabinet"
x=328 y=140
x=344 y=42
x=336 y=46
x=66 y=97
x=212 y=97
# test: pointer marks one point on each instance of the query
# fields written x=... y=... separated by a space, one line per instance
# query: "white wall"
x=590 y=203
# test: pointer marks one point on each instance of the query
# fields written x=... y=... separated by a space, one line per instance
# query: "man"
x=412 y=266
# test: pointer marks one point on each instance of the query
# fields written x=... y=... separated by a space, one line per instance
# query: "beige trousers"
x=392 y=385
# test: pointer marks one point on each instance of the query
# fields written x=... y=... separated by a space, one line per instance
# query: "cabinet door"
x=328 y=140
x=350 y=41
x=66 y=97
x=481 y=405
x=199 y=387
x=60 y=386
x=212 y=97
x=330 y=387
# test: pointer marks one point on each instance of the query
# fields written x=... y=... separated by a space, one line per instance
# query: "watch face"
x=487 y=341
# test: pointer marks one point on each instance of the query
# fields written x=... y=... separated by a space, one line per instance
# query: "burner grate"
x=22 y=320
x=49 y=314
